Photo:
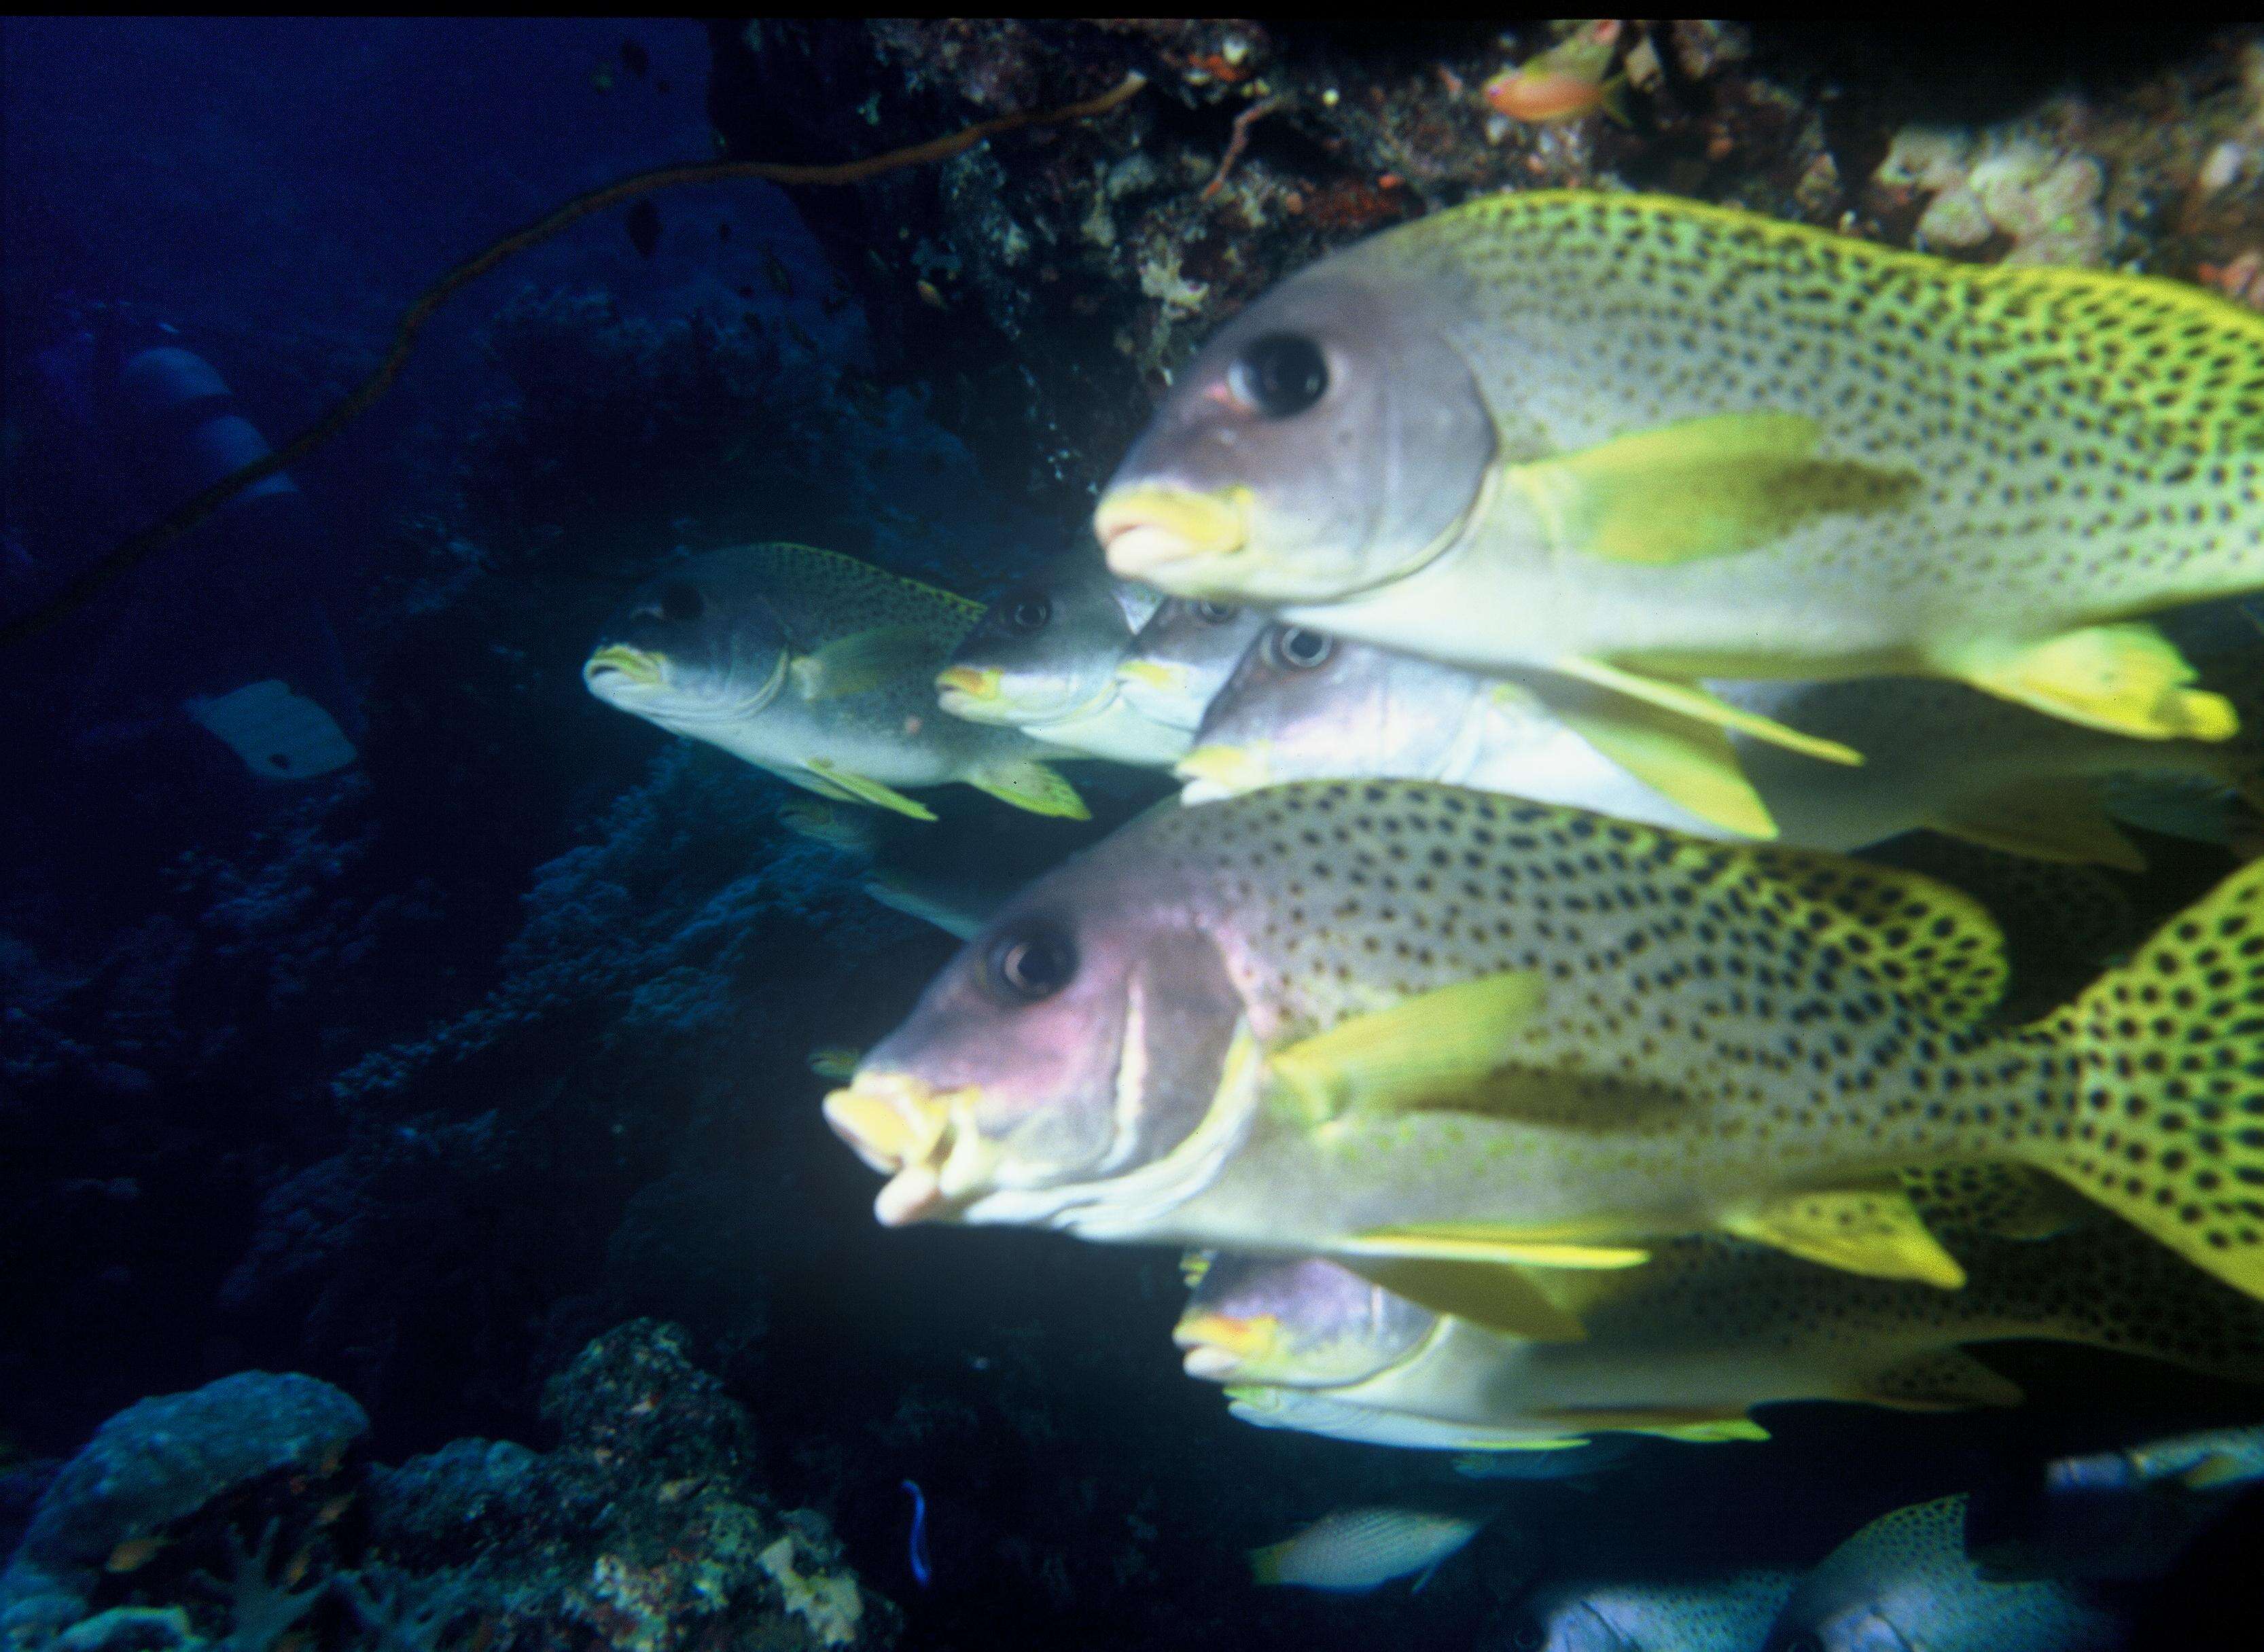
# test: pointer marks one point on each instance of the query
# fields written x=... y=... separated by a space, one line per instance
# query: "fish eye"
x=1029 y=613
x=1217 y=613
x=681 y=601
x=1299 y=649
x=1528 y=1636
x=1280 y=375
x=1805 y=1641
x=1035 y=965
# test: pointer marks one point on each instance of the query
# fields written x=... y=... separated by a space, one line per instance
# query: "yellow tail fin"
x=2164 y=1125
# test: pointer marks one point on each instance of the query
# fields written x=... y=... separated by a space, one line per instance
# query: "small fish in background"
x=1182 y=656
x=1355 y=1550
x=1570 y=79
x=1043 y=658
x=2119 y=1516
x=836 y=1061
x=645 y=228
x=635 y=59
x=1701 y=1615
x=820 y=669
x=923 y=1571
x=1905 y=1581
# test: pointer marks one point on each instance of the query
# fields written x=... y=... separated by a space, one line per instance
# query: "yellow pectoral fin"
x=1946 y=1379
x=1482 y=1241
x=1870 y=1230
x=1424 y=1049
x=1498 y=1298
x=1686 y=761
x=865 y=790
x=1696 y=1427
x=863 y=660
x=1700 y=488
x=1689 y=701
x=2127 y=680
x=1029 y=784
x=2044 y=821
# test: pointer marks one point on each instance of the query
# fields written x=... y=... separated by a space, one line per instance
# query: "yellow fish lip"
x=642 y=668
x=1146 y=527
x=901 y=1125
x=1219 y=1345
x=1233 y=769
x=1164 y=676
x=978 y=683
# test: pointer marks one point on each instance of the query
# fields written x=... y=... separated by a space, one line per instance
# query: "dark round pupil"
x=1034 y=966
x=681 y=602
x=1217 y=613
x=1305 y=649
x=1529 y=1638
x=1282 y=375
x=1029 y=613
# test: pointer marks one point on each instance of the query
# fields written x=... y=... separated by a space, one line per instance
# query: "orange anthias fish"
x=1567 y=81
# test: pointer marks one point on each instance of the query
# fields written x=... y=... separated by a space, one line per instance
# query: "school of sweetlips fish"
x=1539 y=600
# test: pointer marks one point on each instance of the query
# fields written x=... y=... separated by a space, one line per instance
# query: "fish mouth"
x=910 y=1130
x=635 y=667
x=1218 y=771
x=1146 y=528
x=971 y=692
x=1219 y=1345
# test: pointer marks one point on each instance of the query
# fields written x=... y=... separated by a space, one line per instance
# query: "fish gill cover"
x=419 y=1226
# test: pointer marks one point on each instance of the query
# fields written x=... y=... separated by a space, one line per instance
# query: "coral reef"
x=645 y=1528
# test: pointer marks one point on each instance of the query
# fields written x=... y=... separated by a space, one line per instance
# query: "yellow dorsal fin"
x=1871 y=1230
x=1483 y=1243
x=1690 y=700
x=2126 y=678
x=1687 y=760
x=865 y=790
x=1422 y=1049
x=865 y=659
x=2044 y=820
x=1028 y=784
x=1498 y=1298
x=1699 y=488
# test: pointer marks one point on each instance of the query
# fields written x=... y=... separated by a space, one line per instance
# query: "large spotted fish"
x=1397 y=1019
x=1640 y=441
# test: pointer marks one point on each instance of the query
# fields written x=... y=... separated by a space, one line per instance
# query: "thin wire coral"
x=122 y=557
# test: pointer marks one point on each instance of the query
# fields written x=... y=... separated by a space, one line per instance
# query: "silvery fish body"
x=1938 y=754
x=818 y=668
x=1043 y=659
x=1641 y=441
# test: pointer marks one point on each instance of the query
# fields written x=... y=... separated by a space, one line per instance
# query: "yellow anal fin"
x=1872 y=1230
x=866 y=790
x=1424 y=1049
x=1944 y=1380
x=2043 y=822
x=2127 y=680
x=1690 y=700
x=1696 y=1427
x=863 y=660
x=1498 y=1298
x=1482 y=1242
x=1029 y=784
x=1684 y=759
x=1700 y=488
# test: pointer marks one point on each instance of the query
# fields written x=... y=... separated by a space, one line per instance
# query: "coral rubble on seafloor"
x=645 y=1528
